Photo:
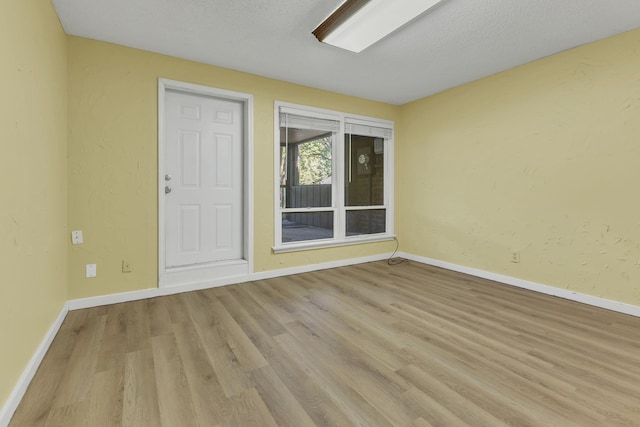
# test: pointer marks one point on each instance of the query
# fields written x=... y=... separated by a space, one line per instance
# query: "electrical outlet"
x=91 y=270
x=76 y=237
x=515 y=257
x=126 y=266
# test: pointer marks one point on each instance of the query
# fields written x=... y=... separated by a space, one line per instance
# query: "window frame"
x=338 y=178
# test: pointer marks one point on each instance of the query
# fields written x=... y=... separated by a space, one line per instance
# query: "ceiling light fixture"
x=357 y=24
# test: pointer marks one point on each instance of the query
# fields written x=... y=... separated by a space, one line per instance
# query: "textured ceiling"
x=456 y=42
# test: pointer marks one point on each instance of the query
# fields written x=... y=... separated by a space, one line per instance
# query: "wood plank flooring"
x=368 y=345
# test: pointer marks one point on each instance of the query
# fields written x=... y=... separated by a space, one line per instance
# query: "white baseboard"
x=78 y=304
x=512 y=281
x=620 y=307
x=21 y=386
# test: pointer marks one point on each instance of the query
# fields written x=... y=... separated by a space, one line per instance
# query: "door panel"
x=190 y=158
x=190 y=223
x=223 y=217
x=224 y=161
x=204 y=209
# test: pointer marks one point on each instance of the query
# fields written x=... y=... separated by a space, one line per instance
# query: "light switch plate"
x=76 y=237
x=91 y=270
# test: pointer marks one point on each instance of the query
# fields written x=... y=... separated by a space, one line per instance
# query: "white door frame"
x=223 y=271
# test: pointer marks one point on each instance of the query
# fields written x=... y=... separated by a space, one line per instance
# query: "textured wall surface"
x=33 y=199
x=541 y=160
x=113 y=160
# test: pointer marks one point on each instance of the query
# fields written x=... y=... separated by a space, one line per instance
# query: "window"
x=334 y=175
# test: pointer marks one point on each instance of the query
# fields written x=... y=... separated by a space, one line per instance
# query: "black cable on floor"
x=396 y=261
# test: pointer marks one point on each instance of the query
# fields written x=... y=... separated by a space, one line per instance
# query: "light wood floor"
x=368 y=345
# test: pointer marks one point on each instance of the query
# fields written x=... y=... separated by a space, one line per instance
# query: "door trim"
x=202 y=274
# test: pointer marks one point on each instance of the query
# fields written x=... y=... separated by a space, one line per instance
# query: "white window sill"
x=330 y=243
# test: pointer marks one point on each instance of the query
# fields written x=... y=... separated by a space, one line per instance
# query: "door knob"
x=167 y=177
x=167 y=189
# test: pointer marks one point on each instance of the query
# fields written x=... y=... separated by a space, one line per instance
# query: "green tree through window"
x=314 y=162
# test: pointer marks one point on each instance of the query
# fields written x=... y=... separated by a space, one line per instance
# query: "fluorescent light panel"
x=358 y=24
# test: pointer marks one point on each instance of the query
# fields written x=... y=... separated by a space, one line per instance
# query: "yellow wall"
x=33 y=199
x=542 y=159
x=113 y=160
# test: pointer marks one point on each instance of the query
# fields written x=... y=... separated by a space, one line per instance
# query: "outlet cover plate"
x=76 y=237
x=91 y=270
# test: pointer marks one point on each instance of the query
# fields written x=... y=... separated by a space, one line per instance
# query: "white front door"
x=203 y=180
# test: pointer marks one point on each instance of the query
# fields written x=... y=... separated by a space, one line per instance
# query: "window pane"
x=371 y=221
x=364 y=170
x=298 y=227
x=305 y=168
